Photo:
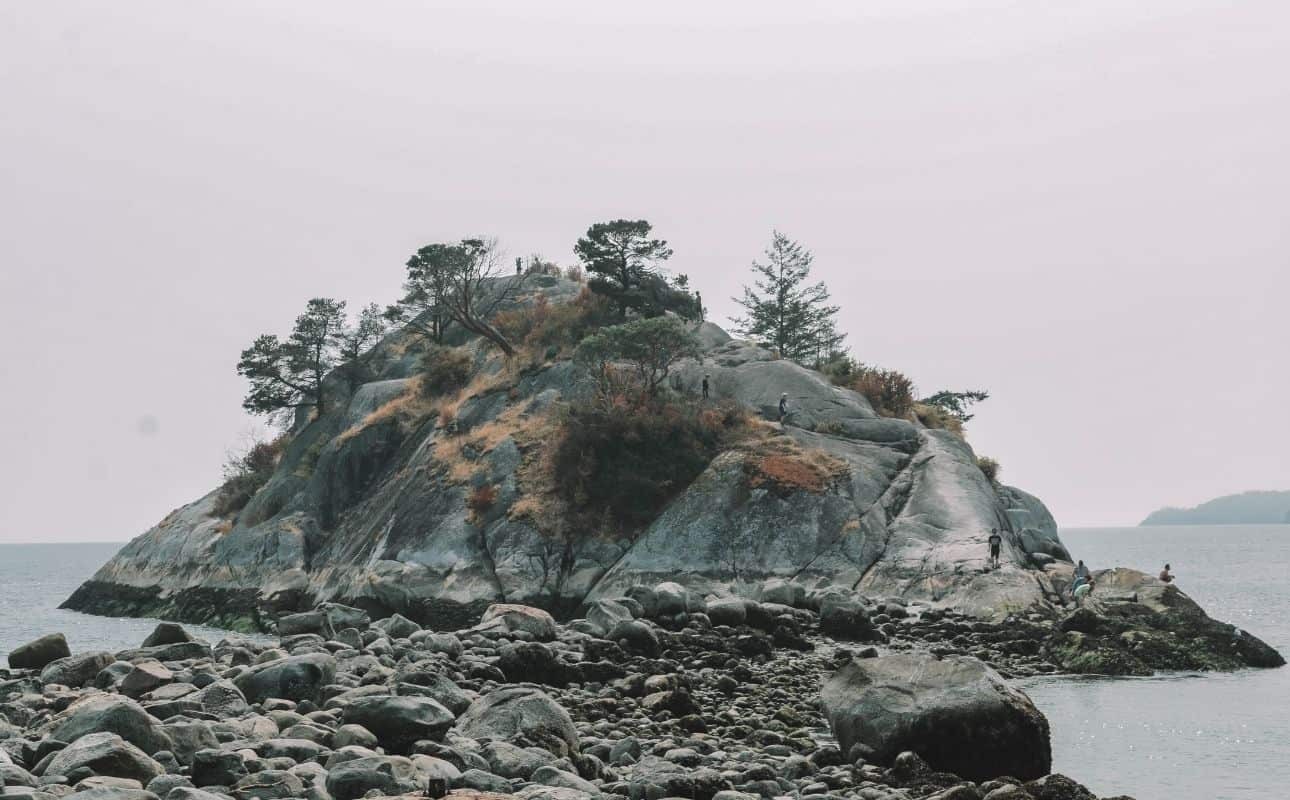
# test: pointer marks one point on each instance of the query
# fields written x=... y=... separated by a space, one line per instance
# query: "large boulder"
x=512 y=617
x=75 y=671
x=109 y=713
x=399 y=721
x=105 y=754
x=291 y=678
x=168 y=633
x=957 y=713
x=605 y=614
x=520 y=711
x=391 y=775
x=845 y=617
x=36 y=654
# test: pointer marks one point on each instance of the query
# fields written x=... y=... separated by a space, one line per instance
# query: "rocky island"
x=560 y=550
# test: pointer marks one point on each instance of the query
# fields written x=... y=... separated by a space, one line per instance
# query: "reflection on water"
x=1184 y=735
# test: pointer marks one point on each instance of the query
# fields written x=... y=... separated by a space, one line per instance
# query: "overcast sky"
x=1081 y=207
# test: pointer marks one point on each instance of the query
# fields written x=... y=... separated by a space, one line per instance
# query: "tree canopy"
x=461 y=282
x=956 y=404
x=623 y=263
x=784 y=311
x=650 y=347
x=288 y=374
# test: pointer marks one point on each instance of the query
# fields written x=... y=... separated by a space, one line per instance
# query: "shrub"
x=245 y=474
x=989 y=467
x=618 y=468
x=444 y=371
x=481 y=498
x=575 y=273
x=889 y=392
x=839 y=370
x=543 y=325
x=938 y=418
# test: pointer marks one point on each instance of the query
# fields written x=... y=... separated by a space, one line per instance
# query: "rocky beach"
x=658 y=693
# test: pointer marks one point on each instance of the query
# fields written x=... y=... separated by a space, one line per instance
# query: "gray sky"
x=1079 y=206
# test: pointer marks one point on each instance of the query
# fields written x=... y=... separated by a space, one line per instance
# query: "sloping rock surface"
x=365 y=512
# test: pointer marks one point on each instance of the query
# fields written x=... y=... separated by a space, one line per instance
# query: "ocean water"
x=1184 y=736
x=1172 y=737
x=35 y=578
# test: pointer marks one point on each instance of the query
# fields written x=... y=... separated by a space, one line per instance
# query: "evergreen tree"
x=786 y=313
x=622 y=263
x=357 y=339
x=461 y=283
x=289 y=374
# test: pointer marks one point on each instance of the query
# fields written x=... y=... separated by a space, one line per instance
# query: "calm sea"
x=1185 y=735
x=35 y=578
x=1172 y=737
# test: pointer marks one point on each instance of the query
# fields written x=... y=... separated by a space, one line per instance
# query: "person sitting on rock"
x=996 y=542
x=1084 y=590
x=1081 y=571
x=783 y=407
x=1166 y=575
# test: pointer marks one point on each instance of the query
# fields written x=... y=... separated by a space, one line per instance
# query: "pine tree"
x=623 y=263
x=784 y=312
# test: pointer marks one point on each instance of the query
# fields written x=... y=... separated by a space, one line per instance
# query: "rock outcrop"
x=370 y=511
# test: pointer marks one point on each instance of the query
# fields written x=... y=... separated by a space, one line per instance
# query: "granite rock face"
x=367 y=512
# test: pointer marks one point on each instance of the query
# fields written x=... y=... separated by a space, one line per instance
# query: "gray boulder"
x=504 y=714
x=398 y=722
x=673 y=598
x=437 y=687
x=846 y=618
x=145 y=676
x=291 y=678
x=105 y=754
x=605 y=614
x=39 y=652
x=167 y=633
x=512 y=617
x=397 y=626
x=390 y=775
x=957 y=714
x=107 y=713
x=75 y=671
x=269 y=784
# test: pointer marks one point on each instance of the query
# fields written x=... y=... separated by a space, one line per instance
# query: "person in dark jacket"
x=783 y=407
x=996 y=542
x=705 y=386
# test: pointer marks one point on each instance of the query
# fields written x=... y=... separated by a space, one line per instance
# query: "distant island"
x=1247 y=508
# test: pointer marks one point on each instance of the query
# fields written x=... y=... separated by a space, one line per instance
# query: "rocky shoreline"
x=661 y=693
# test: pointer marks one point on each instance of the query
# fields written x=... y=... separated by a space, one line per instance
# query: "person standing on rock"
x=1084 y=590
x=996 y=542
x=705 y=386
x=783 y=407
x=1166 y=575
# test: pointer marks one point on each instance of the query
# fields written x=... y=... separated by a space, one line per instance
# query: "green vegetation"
x=956 y=404
x=784 y=312
x=650 y=347
x=444 y=370
x=245 y=474
x=461 y=283
x=615 y=467
x=623 y=263
x=287 y=375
